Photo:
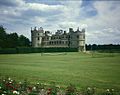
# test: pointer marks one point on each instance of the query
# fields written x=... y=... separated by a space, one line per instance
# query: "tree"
x=23 y=41
x=2 y=37
x=12 y=40
x=94 y=47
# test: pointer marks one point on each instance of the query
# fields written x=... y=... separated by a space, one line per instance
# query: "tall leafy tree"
x=12 y=40
x=2 y=37
x=23 y=41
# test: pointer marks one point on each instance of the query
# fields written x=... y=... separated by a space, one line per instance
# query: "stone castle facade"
x=72 y=39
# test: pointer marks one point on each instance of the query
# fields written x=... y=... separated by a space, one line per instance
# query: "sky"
x=100 y=18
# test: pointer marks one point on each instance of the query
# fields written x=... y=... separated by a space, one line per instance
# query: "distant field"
x=82 y=70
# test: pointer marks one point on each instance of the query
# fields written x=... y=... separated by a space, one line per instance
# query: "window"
x=59 y=42
x=66 y=42
x=83 y=36
x=38 y=38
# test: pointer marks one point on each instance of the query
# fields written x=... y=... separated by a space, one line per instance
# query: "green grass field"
x=82 y=70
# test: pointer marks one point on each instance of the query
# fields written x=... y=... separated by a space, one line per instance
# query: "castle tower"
x=81 y=41
x=36 y=37
x=77 y=39
x=72 y=38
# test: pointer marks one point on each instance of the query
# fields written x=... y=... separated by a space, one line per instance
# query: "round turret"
x=36 y=37
x=81 y=43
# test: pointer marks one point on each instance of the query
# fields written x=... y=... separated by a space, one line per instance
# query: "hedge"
x=35 y=50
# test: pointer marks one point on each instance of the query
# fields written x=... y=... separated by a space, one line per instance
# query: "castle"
x=72 y=39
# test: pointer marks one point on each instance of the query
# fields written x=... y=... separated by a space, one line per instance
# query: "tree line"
x=105 y=47
x=12 y=40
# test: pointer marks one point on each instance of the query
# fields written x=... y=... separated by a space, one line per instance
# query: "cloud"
x=12 y=3
x=11 y=7
x=43 y=7
x=104 y=26
x=100 y=18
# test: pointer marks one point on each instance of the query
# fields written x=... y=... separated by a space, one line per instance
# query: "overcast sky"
x=100 y=18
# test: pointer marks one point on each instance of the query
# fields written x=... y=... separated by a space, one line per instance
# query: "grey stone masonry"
x=72 y=39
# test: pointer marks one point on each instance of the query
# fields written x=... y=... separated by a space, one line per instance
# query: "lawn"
x=82 y=70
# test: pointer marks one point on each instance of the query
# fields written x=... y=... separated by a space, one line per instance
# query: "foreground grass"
x=82 y=70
